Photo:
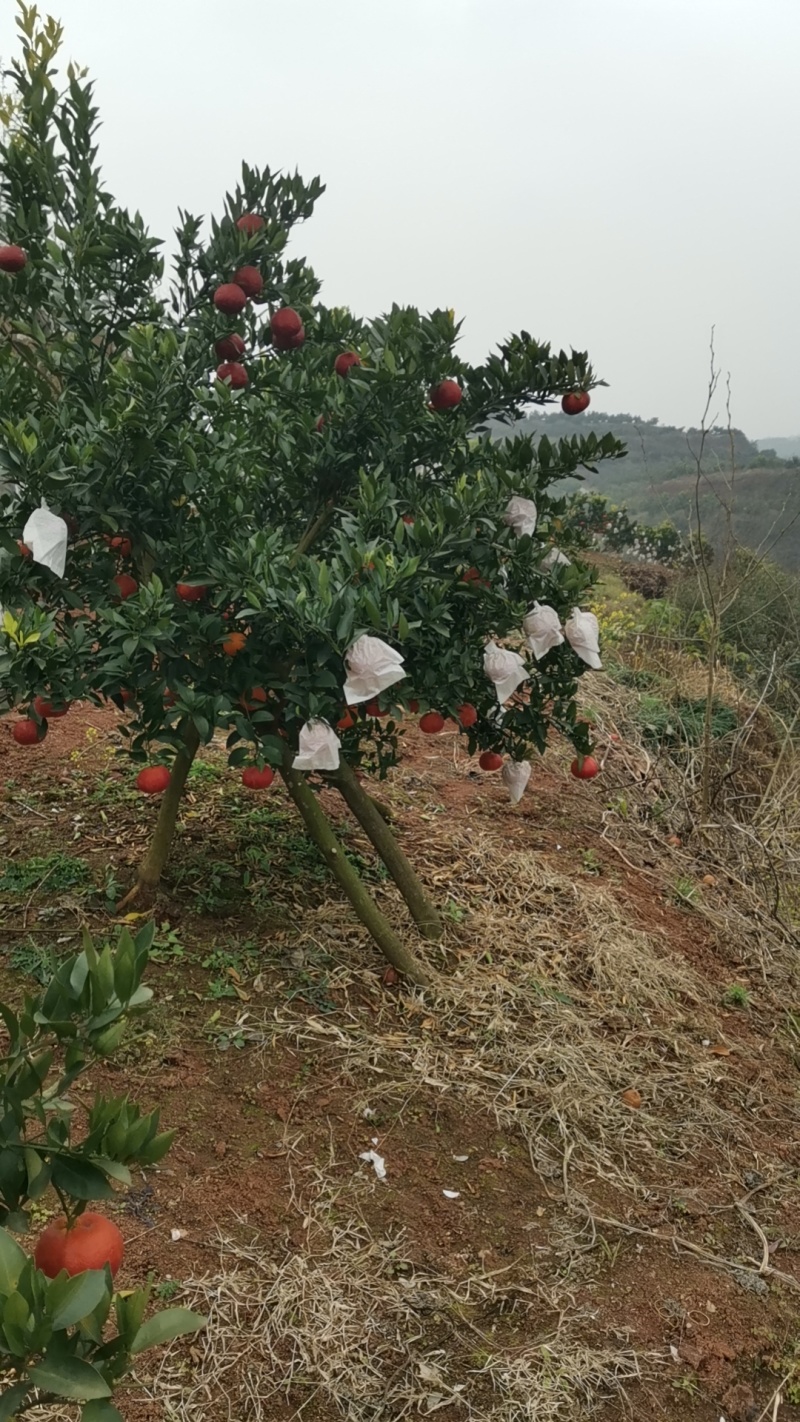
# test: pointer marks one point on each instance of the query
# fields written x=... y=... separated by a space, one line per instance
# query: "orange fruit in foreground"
x=92 y=1242
x=126 y=585
x=234 y=642
x=256 y=779
x=431 y=723
x=467 y=715
x=47 y=710
x=27 y=732
x=586 y=769
x=153 y=779
x=251 y=700
x=490 y=760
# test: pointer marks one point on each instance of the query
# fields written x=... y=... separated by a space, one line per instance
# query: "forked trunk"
x=373 y=822
x=321 y=832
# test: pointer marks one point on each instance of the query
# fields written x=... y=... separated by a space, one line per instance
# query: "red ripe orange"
x=169 y=697
x=251 y=700
x=153 y=779
x=90 y=1243
x=409 y=519
x=24 y=550
x=234 y=643
x=320 y=422
x=467 y=716
x=234 y=373
x=292 y=343
x=346 y=723
x=285 y=325
x=575 y=402
x=190 y=592
x=344 y=363
x=585 y=768
x=27 y=732
x=126 y=696
x=230 y=299
x=373 y=708
x=229 y=347
x=47 y=710
x=118 y=543
x=413 y=707
x=446 y=395
x=250 y=280
x=250 y=223
x=12 y=259
x=126 y=585
x=256 y=779
x=490 y=760
x=285 y=322
x=431 y=723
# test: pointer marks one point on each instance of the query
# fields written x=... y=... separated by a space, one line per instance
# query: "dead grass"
x=348 y=1326
x=555 y=1008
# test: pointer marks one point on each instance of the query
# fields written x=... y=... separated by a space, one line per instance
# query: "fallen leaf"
x=720 y=1051
x=390 y=977
x=632 y=1098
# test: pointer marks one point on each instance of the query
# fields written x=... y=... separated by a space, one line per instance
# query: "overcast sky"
x=617 y=175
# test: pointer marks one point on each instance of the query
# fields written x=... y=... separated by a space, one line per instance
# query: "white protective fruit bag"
x=542 y=628
x=583 y=635
x=554 y=559
x=46 y=535
x=318 y=747
x=515 y=776
x=521 y=515
x=506 y=669
x=372 y=665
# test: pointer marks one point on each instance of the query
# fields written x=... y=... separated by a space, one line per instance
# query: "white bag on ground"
x=506 y=669
x=46 y=535
x=521 y=515
x=554 y=559
x=583 y=635
x=515 y=776
x=372 y=665
x=318 y=747
x=542 y=628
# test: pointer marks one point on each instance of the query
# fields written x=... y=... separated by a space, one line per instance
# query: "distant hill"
x=785 y=446
x=656 y=480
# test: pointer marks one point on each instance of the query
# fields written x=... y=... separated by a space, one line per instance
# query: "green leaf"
x=11 y=1399
x=12 y=1262
x=76 y=1297
x=100 y=1411
x=80 y=1179
x=170 y=1323
x=71 y=1378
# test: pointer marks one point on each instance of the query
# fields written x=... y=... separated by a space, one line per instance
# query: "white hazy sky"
x=617 y=175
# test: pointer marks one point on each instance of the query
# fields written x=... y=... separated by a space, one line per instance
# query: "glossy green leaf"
x=162 y=1327
x=75 y=1297
x=12 y=1262
x=72 y=1378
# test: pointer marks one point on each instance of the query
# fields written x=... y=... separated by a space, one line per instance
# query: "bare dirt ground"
x=590 y=1144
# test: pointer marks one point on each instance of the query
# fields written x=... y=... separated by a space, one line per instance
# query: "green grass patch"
x=680 y=722
x=56 y=872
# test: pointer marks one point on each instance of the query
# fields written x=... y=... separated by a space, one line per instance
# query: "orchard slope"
x=233 y=508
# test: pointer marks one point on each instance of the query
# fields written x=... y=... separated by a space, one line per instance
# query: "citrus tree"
x=57 y=1309
x=230 y=486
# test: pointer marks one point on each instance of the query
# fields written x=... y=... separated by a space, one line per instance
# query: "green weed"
x=736 y=996
x=57 y=872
